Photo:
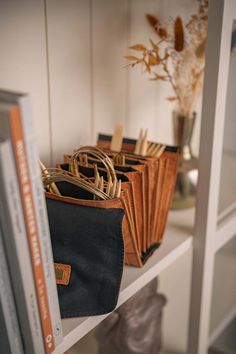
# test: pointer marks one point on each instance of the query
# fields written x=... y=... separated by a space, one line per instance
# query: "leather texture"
x=152 y=183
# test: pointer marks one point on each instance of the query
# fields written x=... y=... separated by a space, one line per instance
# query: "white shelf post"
x=213 y=118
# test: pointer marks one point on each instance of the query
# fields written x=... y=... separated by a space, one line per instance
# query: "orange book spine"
x=31 y=226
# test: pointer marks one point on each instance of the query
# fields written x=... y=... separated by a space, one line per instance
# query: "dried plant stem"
x=197 y=87
x=174 y=87
x=177 y=56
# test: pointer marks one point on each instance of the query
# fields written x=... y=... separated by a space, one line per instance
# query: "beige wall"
x=68 y=54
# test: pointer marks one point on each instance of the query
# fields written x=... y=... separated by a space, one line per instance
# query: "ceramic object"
x=135 y=327
x=187 y=175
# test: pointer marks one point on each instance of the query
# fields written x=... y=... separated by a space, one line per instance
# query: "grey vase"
x=135 y=327
x=187 y=175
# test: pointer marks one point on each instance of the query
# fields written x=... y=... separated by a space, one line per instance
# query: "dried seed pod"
x=179 y=34
x=162 y=33
x=200 y=50
x=153 y=21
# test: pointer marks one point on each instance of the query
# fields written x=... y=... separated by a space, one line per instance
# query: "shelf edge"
x=222 y=326
x=225 y=232
x=91 y=322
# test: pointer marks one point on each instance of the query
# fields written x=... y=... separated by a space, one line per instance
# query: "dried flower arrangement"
x=178 y=56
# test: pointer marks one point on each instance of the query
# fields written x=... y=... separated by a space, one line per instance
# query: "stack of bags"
x=138 y=176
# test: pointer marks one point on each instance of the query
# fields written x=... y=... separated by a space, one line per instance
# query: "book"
x=20 y=127
x=5 y=344
x=17 y=250
x=10 y=335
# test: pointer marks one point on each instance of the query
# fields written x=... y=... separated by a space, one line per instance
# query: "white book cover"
x=5 y=345
x=42 y=218
x=16 y=244
x=40 y=208
x=7 y=303
x=11 y=126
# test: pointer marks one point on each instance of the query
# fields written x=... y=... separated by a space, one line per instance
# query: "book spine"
x=41 y=217
x=28 y=206
x=16 y=245
x=9 y=314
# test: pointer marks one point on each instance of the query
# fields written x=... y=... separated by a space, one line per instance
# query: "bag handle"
x=53 y=175
x=98 y=154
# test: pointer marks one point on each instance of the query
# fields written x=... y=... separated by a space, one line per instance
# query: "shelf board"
x=226 y=231
x=222 y=326
x=177 y=240
x=90 y=346
x=226 y=225
x=225 y=341
x=227 y=193
x=223 y=307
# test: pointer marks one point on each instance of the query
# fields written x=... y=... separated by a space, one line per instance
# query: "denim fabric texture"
x=90 y=240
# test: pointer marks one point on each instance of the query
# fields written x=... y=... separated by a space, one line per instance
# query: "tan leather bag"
x=153 y=193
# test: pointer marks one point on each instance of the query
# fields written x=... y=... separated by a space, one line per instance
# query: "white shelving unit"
x=177 y=241
x=223 y=302
x=212 y=308
x=81 y=41
x=227 y=197
x=226 y=224
x=225 y=343
x=213 y=299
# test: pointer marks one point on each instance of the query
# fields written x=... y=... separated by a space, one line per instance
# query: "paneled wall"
x=68 y=54
x=23 y=60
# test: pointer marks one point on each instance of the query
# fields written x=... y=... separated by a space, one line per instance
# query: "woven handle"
x=54 y=175
x=98 y=154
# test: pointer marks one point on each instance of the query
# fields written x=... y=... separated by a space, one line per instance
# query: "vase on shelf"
x=187 y=175
x=130 y=328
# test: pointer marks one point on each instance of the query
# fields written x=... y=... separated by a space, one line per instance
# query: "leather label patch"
x=63 y=272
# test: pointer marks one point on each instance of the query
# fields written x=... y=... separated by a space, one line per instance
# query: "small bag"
x=126 y=201
x=158 y=176
x=88 y=250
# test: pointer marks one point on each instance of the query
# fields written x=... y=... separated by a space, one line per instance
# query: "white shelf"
x=222 y=326
x=225 y=342
x=88 y=345
x=227 y=193
x=226 y=231
x=223 y=308
x=226 y=228
x=177 y=241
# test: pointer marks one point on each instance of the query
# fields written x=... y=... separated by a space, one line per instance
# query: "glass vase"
x=187 y=175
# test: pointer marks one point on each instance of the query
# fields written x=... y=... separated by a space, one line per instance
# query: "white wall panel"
x=68 y=26
x=23 y=60
x=90 y=89
x=109 y=23
x=142 y=91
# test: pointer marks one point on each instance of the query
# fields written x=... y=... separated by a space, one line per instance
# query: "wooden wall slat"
x=142 y=92
x=109 y=23
x=68 y=26
x=23 y=60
